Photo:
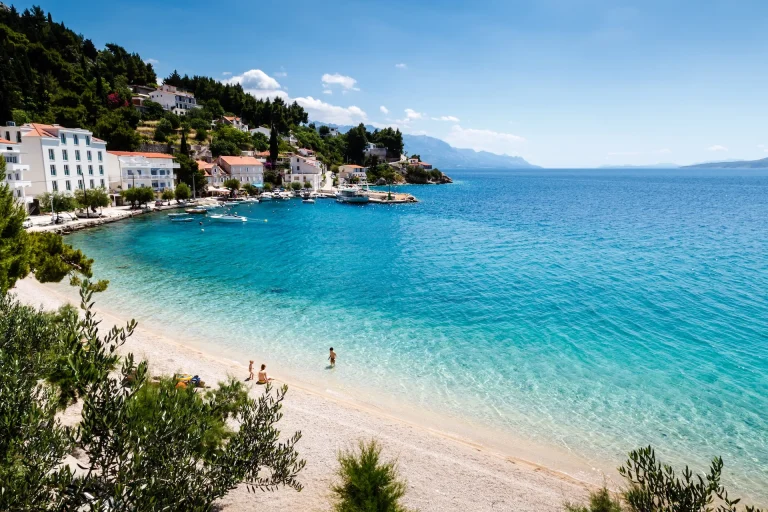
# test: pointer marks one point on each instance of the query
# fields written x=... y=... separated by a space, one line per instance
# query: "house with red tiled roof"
x=245 y=169
x=143 y=169
x=60 y=159
x=305 y=169
x=347 y=172
x=214 y=174
x=235 y=122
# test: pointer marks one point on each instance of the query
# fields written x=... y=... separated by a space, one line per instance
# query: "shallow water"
x=594 y=310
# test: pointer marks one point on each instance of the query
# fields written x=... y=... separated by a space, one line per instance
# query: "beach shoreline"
x=445 y=470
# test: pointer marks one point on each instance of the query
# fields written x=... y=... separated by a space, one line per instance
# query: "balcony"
x=12 y=167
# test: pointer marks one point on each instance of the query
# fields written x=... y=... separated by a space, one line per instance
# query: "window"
x=80 y=184
x=18 y=137
x=90 y=170
x=130 y=172
x=154 y=184
x=7 y=135
x=101 y=169
x=99 y=156
x=75 y=139
x=79 y=170
x=153 y=172
x=69 y=185
x=64 y=155
x=51 y=155
x=66 y=170
x=53 y=170
x=63 y=138
x=55 y=186
x=77 y=154
x=88 y=141
x=91 y=183
x=88 y=155
x=102 y=182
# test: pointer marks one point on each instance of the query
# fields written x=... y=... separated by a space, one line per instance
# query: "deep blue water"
x=597 y=310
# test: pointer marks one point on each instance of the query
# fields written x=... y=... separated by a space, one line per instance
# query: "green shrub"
x=599 y=501
x=367 y=483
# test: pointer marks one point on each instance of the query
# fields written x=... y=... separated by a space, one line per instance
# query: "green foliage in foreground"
x=367 y=484
x=182 y=192
x=92 y=198
x=232 y=184
x=43 y=254
x=138 y=195
x=167 y=194
x=141 y=446
x=655 y=487
x=599 y=501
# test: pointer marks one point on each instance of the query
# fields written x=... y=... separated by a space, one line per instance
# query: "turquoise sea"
x=593 y=310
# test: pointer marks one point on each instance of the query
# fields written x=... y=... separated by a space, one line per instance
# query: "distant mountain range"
x=444 y=156
x=732 y=164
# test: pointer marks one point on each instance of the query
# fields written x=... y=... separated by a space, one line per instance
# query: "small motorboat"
x=251 y=200
x=227 y=218
x=173 y=215
x=286 y=196
x=266 y=196
x=308 y=201
x=182 y=219
x=196 y=211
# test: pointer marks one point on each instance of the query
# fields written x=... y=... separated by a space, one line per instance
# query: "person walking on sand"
x=250 y=371
x=263 y=378
x=332 y=358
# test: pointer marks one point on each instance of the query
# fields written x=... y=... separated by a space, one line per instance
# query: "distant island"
x=738 y=164
x=649 y=166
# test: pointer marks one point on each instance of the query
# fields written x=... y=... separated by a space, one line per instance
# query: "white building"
x=173 y=99
x=135 y=169
x=261 y=129
x=60 y=159
x=15 y=172
x=245 y=169
x=290 y=139
x=235 y=122
x=372 y=150
x=305 y=170
x=347 y=172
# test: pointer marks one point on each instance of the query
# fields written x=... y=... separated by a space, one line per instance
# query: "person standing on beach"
x=332 y=358
x=250 y=371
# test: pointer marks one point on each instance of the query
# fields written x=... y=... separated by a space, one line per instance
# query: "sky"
x=562 y=83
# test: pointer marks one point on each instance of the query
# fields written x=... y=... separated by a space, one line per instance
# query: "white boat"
x=172 y=215
x=266 y=196
x=251 y=200
x=308 y=201
x=352 y=194
x=197 y=210
x=227 y=218
x=286 y=195
x=182 y=219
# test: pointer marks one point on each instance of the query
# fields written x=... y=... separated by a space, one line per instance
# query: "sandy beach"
x=444 y=472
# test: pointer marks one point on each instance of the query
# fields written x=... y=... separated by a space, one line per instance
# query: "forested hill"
x=50 y=74
x=739 y=164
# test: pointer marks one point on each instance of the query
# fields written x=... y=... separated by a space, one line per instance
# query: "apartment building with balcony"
x=16 y=173
x=138 y=169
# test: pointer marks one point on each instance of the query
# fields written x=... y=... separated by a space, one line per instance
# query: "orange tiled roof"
x=239 y=160
x=353 y=166
x=202 y=164
x=4 y=141
x=139 y=153
x=39 y=130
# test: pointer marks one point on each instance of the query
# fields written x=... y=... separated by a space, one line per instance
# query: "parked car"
x=27 y=223
x=64 y=217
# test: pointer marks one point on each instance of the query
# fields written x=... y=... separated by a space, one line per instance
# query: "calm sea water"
x=595 y=310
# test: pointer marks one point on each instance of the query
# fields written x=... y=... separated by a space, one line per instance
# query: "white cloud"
x=484 y=140
x=410 y=115
x=154 y=62
x=282 y=73
x=384 y=110
x=346 y=82
x=453 y=119
x=318 y=110
x=401 y=66
x=327 y=91
x=258 y=84
x=227 y=73
x=717 y=147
